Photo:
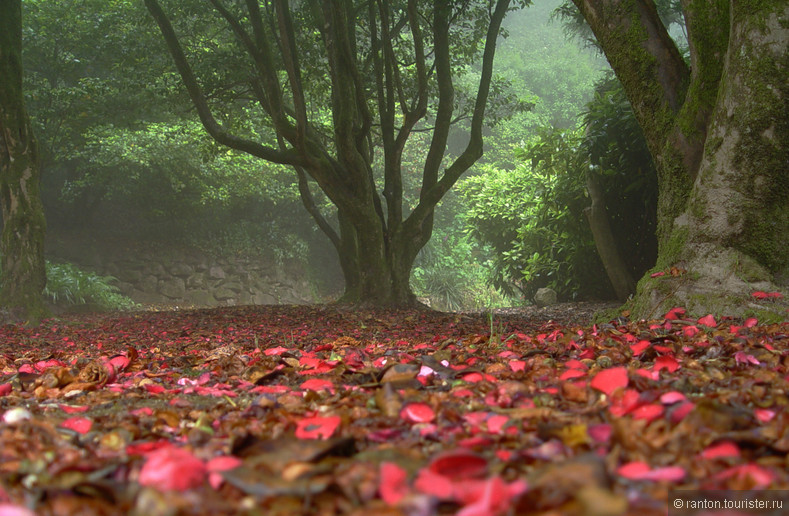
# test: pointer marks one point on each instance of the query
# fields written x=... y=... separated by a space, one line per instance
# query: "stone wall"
x=163 y=275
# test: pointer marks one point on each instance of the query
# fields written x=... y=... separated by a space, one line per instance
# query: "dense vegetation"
x=122 y=152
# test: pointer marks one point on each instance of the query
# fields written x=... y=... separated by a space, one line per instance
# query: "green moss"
x=766 y=316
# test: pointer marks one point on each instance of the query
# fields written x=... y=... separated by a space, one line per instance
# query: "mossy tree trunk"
x=375 y=62
x=22 y=242
x=718 y=132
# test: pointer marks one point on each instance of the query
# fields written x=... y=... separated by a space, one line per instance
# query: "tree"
x=384 y=69
x=22 y=243
x=717 y=130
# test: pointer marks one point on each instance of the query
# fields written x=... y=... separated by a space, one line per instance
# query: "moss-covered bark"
x=22 y=242
x=719 y=138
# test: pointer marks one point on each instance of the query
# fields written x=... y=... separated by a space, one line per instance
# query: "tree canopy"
x=328 y=86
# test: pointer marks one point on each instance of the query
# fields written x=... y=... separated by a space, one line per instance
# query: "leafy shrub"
x=533 y=218
x=452 y=271
x=67 y=284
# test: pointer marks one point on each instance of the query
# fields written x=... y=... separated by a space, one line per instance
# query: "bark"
x=22 y=242
x=719 y=137
x=615 y=267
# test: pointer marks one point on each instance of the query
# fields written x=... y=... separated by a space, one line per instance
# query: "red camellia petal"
x=666 y=362
x=79 y=424
x=675 y=313
x=458 y=464
x=417 y=413
x=317 y=427
x=707 y=320
x=648 y=412
x=609 y=380
x=393 y=484
x=432 y=483
x=721 y=450
x=671 y=397
x=218 y=464
x=318 y=384
x=172 y=469
x=7 y=509
x=642 y=471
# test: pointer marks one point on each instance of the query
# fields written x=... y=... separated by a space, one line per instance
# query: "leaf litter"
x=325 y=410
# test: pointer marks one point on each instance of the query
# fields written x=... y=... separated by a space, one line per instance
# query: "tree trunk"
x=604 y=241
x=22 y=242
x=718 y=133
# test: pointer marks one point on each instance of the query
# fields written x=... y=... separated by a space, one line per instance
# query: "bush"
x=69 y=285
x=452 y=272
x=533 y=218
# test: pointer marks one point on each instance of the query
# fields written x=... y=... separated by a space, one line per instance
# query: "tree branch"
x=219 y=133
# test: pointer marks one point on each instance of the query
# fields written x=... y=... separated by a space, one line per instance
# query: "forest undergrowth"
x=323 y=410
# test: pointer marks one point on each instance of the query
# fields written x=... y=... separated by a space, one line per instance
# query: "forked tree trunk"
x=22 y=242
x=718 y=131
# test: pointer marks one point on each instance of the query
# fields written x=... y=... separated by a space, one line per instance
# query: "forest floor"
x=286 y=410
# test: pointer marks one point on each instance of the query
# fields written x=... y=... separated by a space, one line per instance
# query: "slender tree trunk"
x=718 y=133
x=22 y=242
x=615 y=267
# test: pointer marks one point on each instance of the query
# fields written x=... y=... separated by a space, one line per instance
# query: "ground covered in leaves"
x=324 y=410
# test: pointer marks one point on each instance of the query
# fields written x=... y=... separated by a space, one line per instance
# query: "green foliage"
x=452 y=272
x=69 y=285
x=533 y=218
x=618 y=154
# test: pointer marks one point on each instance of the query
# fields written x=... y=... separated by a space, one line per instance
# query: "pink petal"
x=317 y=385
x=276 y=351
x=764 y=415
x=671 y=397
x=172 y=468
x=417 y=413
x=571 y=373
x=675 y=313
x=496 y=423
x=317 y=427
x=633 y=470
x=218 y=464
x=73 y=409
x=7 y=509
x=742 y=357
x=575 y=364
x=678 y=412
x=609 y=380
x=434 y=484
x=666 y=362
x=5 y=388
x=487 y=497
x=668 y=473
x=690 y=331
x=459 y=464
x=639 y=347
x=393 y=483
x=641 y=471
x=720 y=450
x=79 y=424
x=648 y=412
x=708 y=320
x=517 y=365
x=600 y=433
